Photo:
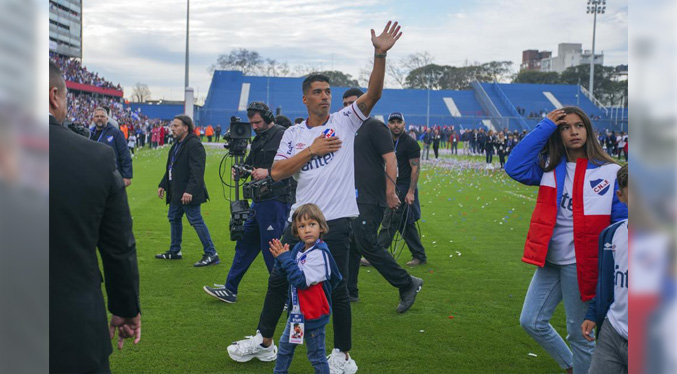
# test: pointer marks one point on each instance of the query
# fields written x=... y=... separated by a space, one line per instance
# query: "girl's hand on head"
x=557 y=116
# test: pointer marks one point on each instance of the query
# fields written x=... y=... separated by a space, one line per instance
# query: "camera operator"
x=268 y=213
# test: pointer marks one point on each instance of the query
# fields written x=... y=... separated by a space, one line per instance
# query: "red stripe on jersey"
x=313 y=302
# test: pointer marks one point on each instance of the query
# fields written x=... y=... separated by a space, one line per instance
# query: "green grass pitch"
x=465 y=320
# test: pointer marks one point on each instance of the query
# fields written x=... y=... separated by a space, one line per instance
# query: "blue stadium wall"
x=231 y=91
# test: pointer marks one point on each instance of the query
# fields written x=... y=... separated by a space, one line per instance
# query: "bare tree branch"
x=140 y=92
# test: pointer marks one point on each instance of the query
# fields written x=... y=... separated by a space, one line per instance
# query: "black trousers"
x=490 y=155
x=436 y=149
x=400 y=220
x=364 y=242
x=454 y=148
x=338 y=241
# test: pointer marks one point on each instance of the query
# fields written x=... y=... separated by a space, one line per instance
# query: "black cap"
x=396 y=115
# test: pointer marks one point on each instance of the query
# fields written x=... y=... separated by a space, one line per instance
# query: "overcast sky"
x=144 y=41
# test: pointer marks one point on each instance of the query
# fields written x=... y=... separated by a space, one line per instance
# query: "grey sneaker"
x=408 y=296
x=221 y=293
x=416 y=262
x=207 y=260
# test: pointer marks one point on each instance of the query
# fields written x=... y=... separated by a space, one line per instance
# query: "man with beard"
x=268 y=214
x=184 y=183
x=375 y=174
x=104 y=132
x=408 y=154
x=319 y=153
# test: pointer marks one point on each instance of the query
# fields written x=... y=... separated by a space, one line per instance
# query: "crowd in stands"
x=81 y=110
x=74 y=72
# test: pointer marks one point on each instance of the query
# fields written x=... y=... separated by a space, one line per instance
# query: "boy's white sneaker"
x=338 y=363
x=250 y=347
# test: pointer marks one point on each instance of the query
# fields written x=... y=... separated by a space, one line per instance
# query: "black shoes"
x=221 y=293
x=408 y=296
x=169 y=256
x=207 y=260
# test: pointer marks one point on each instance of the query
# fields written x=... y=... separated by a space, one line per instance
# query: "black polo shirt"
x=372 y=141
x=406 y=148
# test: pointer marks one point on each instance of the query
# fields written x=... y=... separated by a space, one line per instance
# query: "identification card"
x=296 y=328
x=170 y=173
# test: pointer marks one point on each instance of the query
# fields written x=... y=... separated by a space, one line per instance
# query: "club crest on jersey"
x=109 y=139
x=328 y=133
x=600 y=186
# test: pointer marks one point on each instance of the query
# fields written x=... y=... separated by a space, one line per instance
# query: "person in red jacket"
x=162 y=134
x=576 y=201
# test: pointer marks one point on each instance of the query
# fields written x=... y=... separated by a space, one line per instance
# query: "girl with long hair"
x=576 y=201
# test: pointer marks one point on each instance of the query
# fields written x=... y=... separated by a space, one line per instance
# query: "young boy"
x=610 y=305
x=312 y=274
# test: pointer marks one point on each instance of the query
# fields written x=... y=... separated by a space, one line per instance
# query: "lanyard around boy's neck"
x=296 y=307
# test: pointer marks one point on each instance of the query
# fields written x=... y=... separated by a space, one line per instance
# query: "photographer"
x=268 y=213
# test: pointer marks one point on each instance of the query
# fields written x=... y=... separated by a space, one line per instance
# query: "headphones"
x=260 y=107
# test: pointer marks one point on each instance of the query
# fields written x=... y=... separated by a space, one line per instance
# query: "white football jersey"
x=327 y=181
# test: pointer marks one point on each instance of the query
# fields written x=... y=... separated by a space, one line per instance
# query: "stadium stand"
x=74 y=72
x=485 y=105
x=87 y=91
x=165 y=112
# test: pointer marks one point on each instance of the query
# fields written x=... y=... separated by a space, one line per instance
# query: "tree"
x=444 y=77
x=426 y=77
x=272 y=68
x=339 y=79
x=494 y=71
x=538 y=77
x=140 y=92
x=400 y=70
x=303 y=70
x=244 y=60
x=607 y=90
x=459 y=78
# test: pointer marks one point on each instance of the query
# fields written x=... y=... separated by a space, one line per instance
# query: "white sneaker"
x=250 y=347
x=338 y=363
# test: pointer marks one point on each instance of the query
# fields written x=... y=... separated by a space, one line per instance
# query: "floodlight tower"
x=187 y=39
x=594 y=7
x=188 y=97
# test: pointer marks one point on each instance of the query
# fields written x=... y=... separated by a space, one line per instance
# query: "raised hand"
x=276 y=247
x=387 y=39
